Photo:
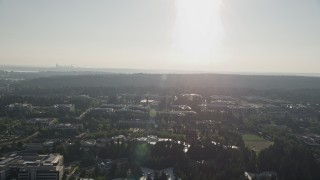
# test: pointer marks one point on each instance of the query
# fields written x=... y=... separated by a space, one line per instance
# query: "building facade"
x=50 y=167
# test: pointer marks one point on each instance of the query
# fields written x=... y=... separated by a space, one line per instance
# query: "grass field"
x=255 y=142
x=153 y=113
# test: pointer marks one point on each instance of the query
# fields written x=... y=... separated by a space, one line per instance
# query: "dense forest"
x=176 y=80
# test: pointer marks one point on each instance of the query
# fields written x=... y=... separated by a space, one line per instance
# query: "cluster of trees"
x=290 y=160
x=204 y=161
x=210 y=161
x=159 y=156
x=175 y=80
x=157 y=176
x=14 y=146
x=207 y=160
x=46 y=100
x=130 y=170
x=70 y=153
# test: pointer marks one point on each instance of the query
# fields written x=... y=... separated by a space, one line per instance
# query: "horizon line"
x=152 y=71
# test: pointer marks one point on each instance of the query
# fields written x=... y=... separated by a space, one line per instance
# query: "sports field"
x=255 y=142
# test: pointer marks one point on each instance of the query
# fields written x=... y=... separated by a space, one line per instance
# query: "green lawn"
x=153 y=113
x=255 y=142
x=252 y=137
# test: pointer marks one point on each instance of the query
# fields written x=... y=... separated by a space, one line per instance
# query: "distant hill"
x=176 y=80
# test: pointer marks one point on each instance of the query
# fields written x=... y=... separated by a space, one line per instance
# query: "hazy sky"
x=209 y=35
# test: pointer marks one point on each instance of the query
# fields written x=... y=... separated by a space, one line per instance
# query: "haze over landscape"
x=160 y=89
x=205 y=36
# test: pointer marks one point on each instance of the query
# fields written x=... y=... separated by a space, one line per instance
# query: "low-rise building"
x=63 y=108
x=32 y=167
x=67 y=126
x=19 y=107
x=41 y=122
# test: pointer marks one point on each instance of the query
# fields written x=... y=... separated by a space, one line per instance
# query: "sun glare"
x=198 y=28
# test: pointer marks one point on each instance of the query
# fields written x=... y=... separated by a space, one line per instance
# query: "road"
x=83 y=114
